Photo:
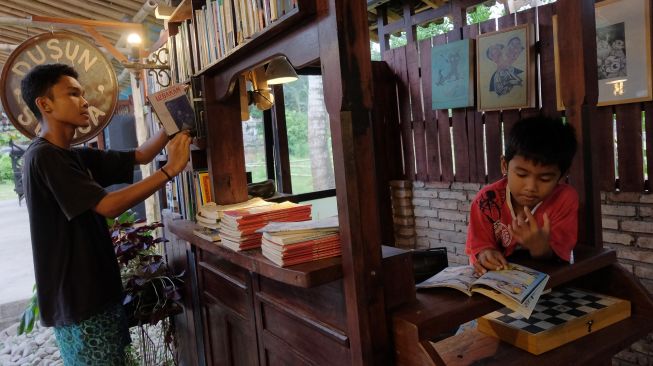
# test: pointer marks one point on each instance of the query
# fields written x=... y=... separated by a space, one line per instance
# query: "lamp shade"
x=280 y=71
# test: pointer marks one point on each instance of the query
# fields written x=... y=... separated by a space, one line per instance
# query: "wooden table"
x=438 y=312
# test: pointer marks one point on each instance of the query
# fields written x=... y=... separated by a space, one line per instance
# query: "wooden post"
x=578 y=74
x=347 y=75
x=282 y=161
x=225 y=141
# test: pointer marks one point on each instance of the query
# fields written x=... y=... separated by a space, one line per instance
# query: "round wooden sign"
x=96 y=75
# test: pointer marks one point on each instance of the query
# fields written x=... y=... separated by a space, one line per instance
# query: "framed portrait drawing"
x=623 y=52
x=505 y=76
x=452 y=75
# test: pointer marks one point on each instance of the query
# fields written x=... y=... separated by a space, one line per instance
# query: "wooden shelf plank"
x=302 y=275
x=182 y=12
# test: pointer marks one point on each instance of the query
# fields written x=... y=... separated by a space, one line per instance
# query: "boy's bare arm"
x=115 y=203
x=145 y=153
x=531 y=236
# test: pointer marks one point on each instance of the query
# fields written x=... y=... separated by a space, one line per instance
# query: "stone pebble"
x=38 y=347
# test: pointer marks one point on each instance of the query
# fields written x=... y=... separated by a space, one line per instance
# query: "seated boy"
x=529 y=208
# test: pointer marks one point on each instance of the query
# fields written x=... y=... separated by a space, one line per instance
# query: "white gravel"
x=36 y=348
x=39 y=347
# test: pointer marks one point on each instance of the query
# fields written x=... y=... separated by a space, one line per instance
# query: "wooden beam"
x=12 y=13
x=433 y=3
x=32 y=7
x=106 y=44
x=83 y=9
x=579 y=88
x=431 y=14
x=124 y=3
x=92 y=23
x=347 y=74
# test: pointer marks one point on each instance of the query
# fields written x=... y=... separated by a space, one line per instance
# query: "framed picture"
x=505 y=76
x=623 y=52
x=452 y=75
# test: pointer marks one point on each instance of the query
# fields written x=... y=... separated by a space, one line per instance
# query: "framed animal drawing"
x=452 y=74
x=505 y=69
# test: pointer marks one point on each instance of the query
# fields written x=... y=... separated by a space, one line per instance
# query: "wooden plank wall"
x=441 y=146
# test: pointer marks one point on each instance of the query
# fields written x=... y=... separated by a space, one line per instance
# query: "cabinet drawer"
x=228 y=291
x=305 y=335
x=215 y=263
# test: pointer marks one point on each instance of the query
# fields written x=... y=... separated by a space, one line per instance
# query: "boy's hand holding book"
x=489 y=259
x=178 y=153
x=530 y=235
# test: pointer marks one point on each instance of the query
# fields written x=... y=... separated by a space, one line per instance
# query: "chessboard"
x=560 y=316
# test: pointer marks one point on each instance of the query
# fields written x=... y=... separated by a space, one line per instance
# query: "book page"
x=517 y=282
x=460 y=278
x=524 y=308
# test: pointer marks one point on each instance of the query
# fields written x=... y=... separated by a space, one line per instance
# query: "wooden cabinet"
x=255 y=313
x=227 y=312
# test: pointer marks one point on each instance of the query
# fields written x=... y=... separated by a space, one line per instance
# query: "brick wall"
x=441 y=213
x=441 y=216
x=627 y=220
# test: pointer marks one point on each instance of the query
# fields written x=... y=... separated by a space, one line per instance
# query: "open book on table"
x=517 y=287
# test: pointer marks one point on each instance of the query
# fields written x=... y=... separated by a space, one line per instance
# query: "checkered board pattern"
x=555 y=308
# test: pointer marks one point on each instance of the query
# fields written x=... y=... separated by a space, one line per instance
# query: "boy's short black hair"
x=39 y=82
x=542 y=140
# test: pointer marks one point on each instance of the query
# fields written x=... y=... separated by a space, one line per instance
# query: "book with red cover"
x=313 y=248
x=238 y=227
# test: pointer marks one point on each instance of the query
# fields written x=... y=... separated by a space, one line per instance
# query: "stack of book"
x=209 y=215
x=287 y=244
x=238 y=229
x=208 y=222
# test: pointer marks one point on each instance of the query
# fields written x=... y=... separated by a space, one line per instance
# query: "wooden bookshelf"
x=304 y=9
x=304 y=275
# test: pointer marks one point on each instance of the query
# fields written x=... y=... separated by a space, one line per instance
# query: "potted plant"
x=151 y=291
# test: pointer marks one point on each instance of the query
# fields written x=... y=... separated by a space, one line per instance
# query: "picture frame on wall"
x=452 y=75
x=505 y=62
x=623 y=52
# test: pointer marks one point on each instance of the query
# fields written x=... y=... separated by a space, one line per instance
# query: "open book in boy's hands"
x=517 y=287
x=173 y=108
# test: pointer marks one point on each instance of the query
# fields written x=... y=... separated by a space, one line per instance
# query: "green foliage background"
x=6 y=172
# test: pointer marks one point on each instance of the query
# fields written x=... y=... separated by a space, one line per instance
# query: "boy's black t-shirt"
x=77 y=274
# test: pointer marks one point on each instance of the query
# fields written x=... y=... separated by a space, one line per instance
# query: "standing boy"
x=77 y=275
x=529 y=208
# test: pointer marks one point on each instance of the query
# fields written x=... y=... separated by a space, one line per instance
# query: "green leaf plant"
x=151 y=290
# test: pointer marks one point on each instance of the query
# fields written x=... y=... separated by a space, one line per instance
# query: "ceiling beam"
x=130 y=11
x=82 y=9
x=36 y=8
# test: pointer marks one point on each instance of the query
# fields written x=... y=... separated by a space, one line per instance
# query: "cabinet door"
x=227 y=312
x=229 y=339
x=181 y=260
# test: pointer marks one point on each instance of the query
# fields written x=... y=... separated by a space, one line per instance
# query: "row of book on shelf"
x=187 y=192
x=218 y=27
x=284 y=231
